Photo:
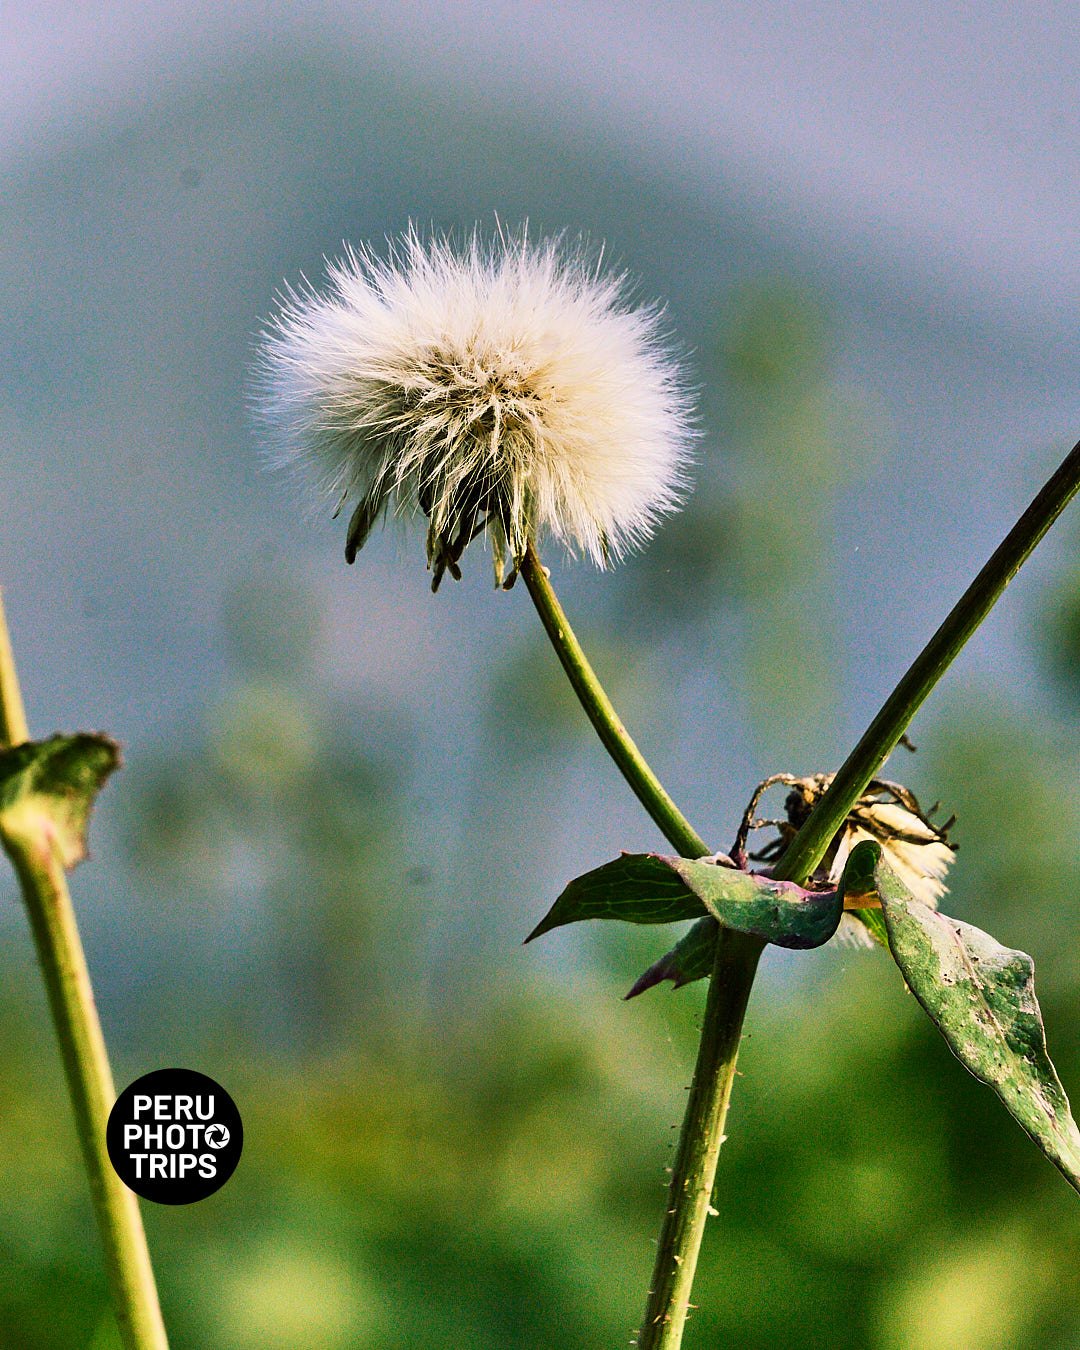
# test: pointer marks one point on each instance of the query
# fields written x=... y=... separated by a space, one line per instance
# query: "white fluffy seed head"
x=505 y=384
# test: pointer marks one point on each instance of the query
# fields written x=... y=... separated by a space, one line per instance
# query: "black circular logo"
x=174 y=1136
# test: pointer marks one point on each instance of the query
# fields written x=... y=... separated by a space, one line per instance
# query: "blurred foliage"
x=1059 y=631
x=477 y=1159
x=796 y=438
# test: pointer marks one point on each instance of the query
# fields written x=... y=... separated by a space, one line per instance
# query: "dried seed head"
x=918 y=851
x=505 y=386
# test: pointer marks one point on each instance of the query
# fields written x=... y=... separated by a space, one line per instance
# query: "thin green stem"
x=82 y=1048
x=13 y=728
x=881 y=736
x=601 y=713
x=729 y=991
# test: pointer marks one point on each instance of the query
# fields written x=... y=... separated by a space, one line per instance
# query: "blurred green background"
x=345 y=801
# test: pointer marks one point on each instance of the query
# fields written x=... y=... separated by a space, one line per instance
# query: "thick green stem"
x=82 y=1048
x=735 y=963
x=601 y=713
x=702 y=1128
x=693 y=1172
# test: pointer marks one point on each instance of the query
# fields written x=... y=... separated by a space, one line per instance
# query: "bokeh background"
x=345 y=800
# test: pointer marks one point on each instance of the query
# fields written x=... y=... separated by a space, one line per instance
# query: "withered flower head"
x=917 y=850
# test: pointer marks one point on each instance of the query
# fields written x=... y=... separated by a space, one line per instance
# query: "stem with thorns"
x=736 y=958
x=82 y=1048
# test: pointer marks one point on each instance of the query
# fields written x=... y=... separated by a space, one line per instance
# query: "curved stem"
x=82 y=1048
x=601 y=713
x=735 y=965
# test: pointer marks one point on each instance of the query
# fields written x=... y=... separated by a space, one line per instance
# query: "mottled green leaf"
x=48 y=787
x=648 y=888
x=692 y=956
x=775 y=911
x=981 y=997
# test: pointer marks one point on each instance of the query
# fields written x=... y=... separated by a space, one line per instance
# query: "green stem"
x=729 y=991
x=693 y=1172
x=82 y=1048
x=880 y=738
x=13 y=727
x=601 y=713
x=734 y=964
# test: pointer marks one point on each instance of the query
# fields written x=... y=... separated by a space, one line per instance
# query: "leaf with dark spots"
x=981 y=997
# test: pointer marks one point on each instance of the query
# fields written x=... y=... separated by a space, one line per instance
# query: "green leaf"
x=874 y=923
x=648 y=888
x=692 y=956
x=981 y=997
x=637 y=887
x=775 y=911
x=48 y=787
x=690 y=959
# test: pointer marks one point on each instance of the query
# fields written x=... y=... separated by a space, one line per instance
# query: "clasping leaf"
x=650 y=888
x=48 y=787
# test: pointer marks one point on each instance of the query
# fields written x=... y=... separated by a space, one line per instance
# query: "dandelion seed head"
x=504 y=385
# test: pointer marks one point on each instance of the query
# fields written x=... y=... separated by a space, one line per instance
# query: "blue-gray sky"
x=165 y=167
x=943 y=133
